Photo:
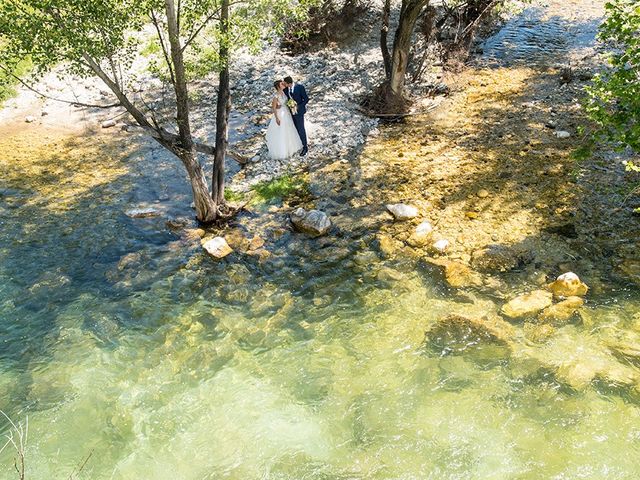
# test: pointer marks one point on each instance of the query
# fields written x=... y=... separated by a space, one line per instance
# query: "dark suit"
x=299 y=94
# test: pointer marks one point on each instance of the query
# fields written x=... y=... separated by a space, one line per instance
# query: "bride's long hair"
x=276 y=84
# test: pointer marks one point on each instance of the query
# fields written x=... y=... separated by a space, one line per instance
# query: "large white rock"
x=312 y=222
x=217 y=247
x=562 y=134
x=108 y=124
x=401 y=211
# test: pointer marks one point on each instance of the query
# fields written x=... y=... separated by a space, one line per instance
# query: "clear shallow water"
x=118 y=339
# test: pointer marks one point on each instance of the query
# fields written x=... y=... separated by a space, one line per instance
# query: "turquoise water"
x=123 y=342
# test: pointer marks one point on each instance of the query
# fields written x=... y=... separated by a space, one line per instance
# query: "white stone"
x=441 y=245
x=562 y=134
x=217 y=247
x=142 y=212
x=109 y=124
x=401 y=211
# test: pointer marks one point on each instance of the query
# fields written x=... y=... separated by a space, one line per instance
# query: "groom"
x=297 y=92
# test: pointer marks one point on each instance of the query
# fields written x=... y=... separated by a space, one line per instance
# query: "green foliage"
x=113 y=32
x=281 y=188
x=8 y=81
x=614 y=98
x=231 y=196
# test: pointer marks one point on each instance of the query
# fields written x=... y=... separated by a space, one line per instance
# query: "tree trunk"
x=223 y=109
x=402 y=45
x=384 y=32
x=206 y=207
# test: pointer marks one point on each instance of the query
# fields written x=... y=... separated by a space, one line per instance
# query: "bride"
x=283 y=140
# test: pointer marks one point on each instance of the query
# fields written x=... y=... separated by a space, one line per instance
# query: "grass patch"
x=231 y=196
x=282 y=188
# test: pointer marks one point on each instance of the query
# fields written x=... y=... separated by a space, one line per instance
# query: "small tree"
x=614 y=97
x=101 y=37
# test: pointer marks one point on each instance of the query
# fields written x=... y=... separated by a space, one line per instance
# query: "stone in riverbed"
x=560 y=313
x=312 y=222
x=568 y=285
x=109 y=123
x=401 y=211
x=217 y=247
x=457 y=334
x=421 y=236
x=455 y=274
x=440 y=246
x=30 y=119
x=498 y=258
x=143 y=212
x=562 y=134
x=527 y=304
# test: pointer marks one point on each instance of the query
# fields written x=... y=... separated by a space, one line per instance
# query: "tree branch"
x=48 y=97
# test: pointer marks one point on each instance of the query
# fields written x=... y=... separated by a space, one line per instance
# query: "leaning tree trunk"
x=223 y=109
x=384 y=33
x=206 y=208
x=393 y=88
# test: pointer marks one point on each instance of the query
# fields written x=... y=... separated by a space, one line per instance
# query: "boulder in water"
x=568 y=285
x=457 y=333
x=560 y=313
x=217 y=247
x=527 y=304
x=456 y=274
x=498 y=258
x=312 y=222
x=401 y=211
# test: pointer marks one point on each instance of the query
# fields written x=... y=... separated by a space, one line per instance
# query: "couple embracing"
x=286 y=134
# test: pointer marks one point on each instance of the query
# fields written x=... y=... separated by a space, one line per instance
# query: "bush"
x=614 y=97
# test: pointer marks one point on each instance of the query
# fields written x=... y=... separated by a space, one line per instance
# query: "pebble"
x=109 y=124
x=562 y=134
x=30 y=119
x=483 y=193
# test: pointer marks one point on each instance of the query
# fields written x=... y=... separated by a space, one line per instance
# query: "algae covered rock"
x=528 y=304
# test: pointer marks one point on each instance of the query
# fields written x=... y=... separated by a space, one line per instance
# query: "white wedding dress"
x=283 y=140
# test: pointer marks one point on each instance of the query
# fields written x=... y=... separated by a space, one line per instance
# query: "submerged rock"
x=568 y=285
x=312 y=222
x=456 y=274
x=560 y=313
x=527 y=304
x=217 y=247
x=538 y=333
x=401 y=211
x=456 y=333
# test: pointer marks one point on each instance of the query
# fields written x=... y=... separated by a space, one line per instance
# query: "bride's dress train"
x=283 y=140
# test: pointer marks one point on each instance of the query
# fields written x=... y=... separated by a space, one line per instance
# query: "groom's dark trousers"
x=299 y=94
